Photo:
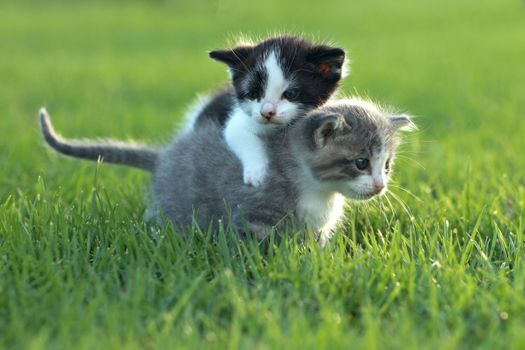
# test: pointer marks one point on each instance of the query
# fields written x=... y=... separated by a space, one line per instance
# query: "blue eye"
x=362 y=163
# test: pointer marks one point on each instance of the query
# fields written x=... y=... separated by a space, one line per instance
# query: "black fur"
x=316 y=70
x=218 y=109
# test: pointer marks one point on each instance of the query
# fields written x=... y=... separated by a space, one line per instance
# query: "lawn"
x=438 y=264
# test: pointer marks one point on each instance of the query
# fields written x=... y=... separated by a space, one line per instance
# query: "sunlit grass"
x=436 y=264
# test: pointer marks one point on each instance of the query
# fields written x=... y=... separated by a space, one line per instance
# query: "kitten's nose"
x=268 y=111
x=378 y=187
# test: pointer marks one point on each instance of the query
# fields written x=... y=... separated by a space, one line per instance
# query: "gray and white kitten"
x=344 y=149
x=273 y=82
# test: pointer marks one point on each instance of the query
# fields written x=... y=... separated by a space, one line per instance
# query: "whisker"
x=383 y=209
x=247 y=70
x=238 y=70
x=412 y=160
x=402 y=203
x=407 y=191
x=390 y=206
x=293 y=57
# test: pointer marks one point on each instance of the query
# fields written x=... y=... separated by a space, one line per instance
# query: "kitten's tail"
x=110 y=151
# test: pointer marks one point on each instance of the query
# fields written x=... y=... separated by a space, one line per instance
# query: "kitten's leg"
x=248 y=147
x=252 y=225
x=324 y=236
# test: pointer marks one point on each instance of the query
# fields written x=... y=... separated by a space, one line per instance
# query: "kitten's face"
x=283 y=77
x=351 y=148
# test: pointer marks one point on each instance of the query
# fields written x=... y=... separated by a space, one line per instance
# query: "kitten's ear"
x=234 y=58
x=330 y=127
x=402 y=122
x=327 y=60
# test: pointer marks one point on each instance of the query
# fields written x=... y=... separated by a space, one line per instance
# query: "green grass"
x=80 y=269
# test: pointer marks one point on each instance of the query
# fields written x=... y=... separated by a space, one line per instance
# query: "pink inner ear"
x=324 y=68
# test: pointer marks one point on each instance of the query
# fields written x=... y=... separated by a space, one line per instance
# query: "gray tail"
x=108 y=150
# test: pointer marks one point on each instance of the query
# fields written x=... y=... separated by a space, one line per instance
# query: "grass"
x=80 y=269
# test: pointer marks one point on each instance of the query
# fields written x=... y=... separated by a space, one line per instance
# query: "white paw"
x=254 y=175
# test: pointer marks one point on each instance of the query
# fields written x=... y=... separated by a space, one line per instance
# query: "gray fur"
x=198 y=174
x=198 y=177
x=110 y=151
x=312 y=163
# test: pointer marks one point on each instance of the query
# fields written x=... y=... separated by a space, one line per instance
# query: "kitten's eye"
x=252 y=95
x=362 y=163
x=387 y=166
x=291 y=94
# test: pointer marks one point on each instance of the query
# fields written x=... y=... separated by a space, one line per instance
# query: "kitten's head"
x=349 y=146
x=282 y=77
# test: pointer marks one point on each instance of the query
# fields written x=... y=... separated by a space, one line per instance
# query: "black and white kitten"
x=273 y=82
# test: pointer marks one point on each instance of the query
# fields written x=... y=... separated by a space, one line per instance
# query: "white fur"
x=194 y=110
x=242 y=136
x=345 y=69
x=364 y=185
x=353 y=101
x=246 y=123
x=406 y=124
x=320 y=206
x=379 y=178
x=320 y=211
x=276 y=85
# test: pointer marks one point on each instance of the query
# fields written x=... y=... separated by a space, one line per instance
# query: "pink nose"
x=378 y=187
x=268 y=111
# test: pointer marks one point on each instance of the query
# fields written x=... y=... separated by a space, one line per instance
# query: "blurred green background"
x=129 y=69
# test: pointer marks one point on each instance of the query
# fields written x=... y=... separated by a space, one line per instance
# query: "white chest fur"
x=320 y=211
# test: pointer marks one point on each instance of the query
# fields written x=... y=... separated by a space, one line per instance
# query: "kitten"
x=344 y=149
x=273 y=82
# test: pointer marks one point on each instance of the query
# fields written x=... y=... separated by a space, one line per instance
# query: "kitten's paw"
x=254 y=175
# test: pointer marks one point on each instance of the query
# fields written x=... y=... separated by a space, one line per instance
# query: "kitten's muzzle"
x=268 y=111
x=378 y=188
